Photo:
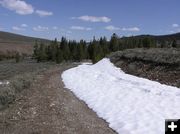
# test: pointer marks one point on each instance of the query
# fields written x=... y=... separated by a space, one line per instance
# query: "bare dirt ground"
x=48 y=108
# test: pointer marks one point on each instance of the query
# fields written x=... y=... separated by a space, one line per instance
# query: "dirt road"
x=48 y=108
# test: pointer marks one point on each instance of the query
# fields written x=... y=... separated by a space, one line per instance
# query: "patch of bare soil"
x=48 y=108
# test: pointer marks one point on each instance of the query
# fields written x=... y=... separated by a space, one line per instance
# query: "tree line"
x=95 y=50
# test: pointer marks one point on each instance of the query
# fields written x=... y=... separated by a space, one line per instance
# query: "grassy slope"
x=15 y=42
x=162 y=65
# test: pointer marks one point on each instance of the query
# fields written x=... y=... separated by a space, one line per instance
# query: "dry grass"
x=17 y=84
x=20 y=75
x=10 y=68
x=16 y=47
x=162 y=65
x=169 y=56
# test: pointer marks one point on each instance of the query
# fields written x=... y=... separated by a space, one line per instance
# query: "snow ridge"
x=131 y=105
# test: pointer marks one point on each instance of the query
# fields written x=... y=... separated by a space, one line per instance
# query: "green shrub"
x=17 y=57
x=22 y=82
x=17 y=84
x=7 y=95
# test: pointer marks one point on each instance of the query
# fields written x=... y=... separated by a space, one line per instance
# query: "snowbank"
x=130 y=105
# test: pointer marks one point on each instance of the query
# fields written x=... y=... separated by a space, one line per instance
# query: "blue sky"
x=77 y=19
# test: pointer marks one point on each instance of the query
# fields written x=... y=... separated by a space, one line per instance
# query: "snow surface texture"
x=4 y=82
x=131 y=105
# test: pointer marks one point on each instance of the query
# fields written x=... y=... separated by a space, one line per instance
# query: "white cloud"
x=15 y=28
x=23 y=8
x=81 y=28
x=175 y=25
x=43 y=13
x=93 y=18
x=88 y=29
x=19 y=6
x=55 y=28
x=40 y=28
x=69 y=32
x=175 y=30
x=24 y=25
x=112 y=28
x=171 y=31
x=131 y=29
x=20 y=28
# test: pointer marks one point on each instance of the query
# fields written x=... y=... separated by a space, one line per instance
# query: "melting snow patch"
x=86 y=63
x=131 y=105
x=4 y=82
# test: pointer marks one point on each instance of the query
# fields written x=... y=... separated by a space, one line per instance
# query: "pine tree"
x=104 y=45
x=73 y=50
x=114 y=46
x=174 y=44
x=51 y=50
x=80 y=54
x=94 y=50
x=59 y=56
x=35 y=50
x=17 y=57
x=146 y=42
x=65 y=48
x=90 y=50
x=82 y=50
x=42 y=56
x=97 y=51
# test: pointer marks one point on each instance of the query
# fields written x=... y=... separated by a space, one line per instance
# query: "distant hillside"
x=14 y=42
x=169 y=37
x=175 y=36
x=10 y=43
x=164 y=40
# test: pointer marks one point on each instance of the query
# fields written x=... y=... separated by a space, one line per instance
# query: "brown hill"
x=10 y=42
